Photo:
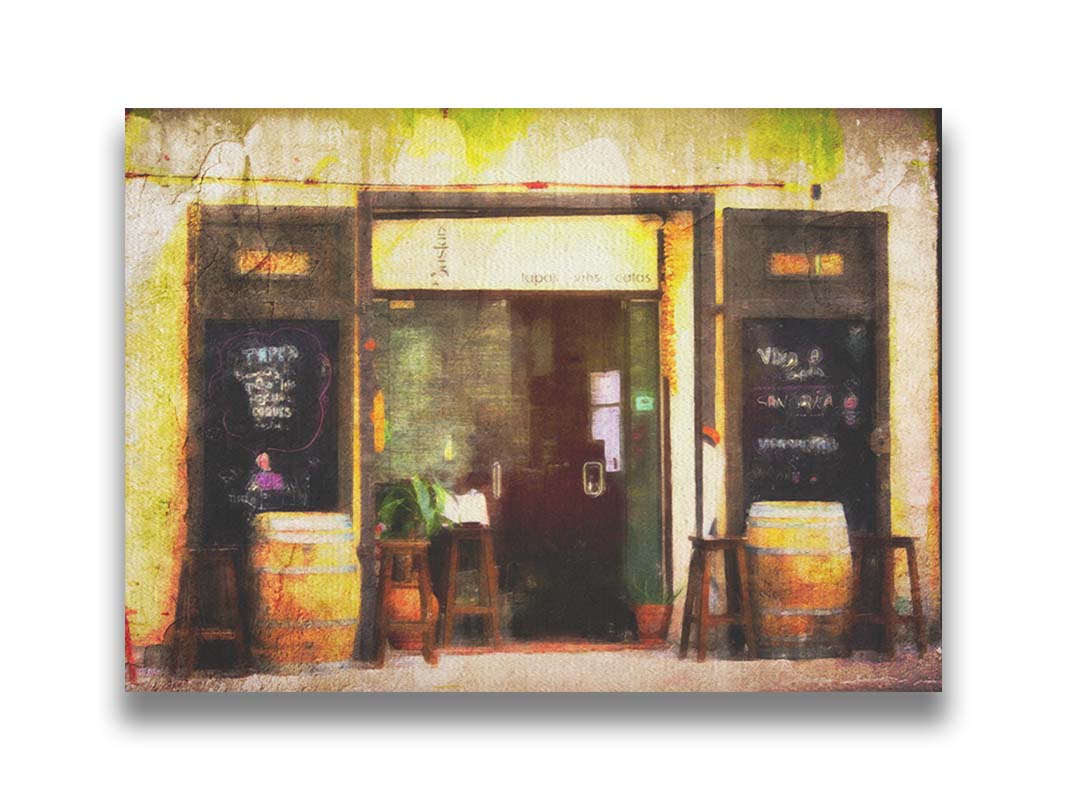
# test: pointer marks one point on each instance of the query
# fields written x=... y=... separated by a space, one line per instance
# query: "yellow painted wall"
x=864 y=161
x=156 y=338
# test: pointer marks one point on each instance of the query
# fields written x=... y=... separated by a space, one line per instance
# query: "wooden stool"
x=190 y=631
x=696 y=597
x=426 y=625
x=488 y=581
x=888 y=617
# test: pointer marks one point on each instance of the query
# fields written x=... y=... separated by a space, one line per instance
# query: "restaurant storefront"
x=519 y=348
x=615 y=369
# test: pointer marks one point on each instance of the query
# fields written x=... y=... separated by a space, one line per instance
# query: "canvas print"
x=532 y=400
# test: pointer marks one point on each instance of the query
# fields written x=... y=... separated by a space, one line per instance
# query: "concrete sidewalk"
x=617 y=671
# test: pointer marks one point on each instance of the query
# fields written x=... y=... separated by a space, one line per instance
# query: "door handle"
x=498 y=480
x=593 y=478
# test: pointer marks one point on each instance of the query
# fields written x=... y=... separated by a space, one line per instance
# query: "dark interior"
x=469 y=382
x=561 y=549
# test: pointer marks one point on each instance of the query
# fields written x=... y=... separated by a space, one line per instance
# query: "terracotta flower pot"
x=652 y=622
x=402 y=604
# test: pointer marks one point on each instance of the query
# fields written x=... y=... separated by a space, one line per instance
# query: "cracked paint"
x=864 y=160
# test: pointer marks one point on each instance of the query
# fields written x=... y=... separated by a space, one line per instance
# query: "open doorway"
x=559 y=398
x=563 y=525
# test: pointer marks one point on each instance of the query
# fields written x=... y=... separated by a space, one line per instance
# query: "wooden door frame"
x=374 y=205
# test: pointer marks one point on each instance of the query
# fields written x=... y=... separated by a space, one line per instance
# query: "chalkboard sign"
x=270 y=421
x=808 y=413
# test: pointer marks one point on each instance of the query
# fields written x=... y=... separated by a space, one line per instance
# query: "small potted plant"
x=652 y=603
x=411 y=509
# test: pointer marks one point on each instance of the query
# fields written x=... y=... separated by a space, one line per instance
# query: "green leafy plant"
x=653 y=593
x=411 y=508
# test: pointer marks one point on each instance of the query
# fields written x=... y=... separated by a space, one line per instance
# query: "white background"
x=68 y=73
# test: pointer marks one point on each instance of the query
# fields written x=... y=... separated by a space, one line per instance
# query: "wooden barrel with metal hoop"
x=798 y=554
x=306 y=590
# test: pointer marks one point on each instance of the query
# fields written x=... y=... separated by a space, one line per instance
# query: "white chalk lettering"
x=816 y=445
x=267 y=375
x=772 y=356
x=804 y=374
x=804 y=403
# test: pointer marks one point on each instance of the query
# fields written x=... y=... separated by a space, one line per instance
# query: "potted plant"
x=652 y=604
x=411 y=509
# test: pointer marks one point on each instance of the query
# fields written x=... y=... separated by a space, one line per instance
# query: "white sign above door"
x=603 y=253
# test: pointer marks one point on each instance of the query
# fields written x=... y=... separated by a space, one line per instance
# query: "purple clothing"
x=269 y=481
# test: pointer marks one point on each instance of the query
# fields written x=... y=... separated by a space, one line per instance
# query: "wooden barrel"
x=306 y=592
x=801 y=566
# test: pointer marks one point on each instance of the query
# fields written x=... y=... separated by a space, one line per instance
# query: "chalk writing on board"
x=778 y=358
x=269 y=421
x=269 y=375
x=789 y=362
x=809 y=444
x=800 y=403
x=807 y=413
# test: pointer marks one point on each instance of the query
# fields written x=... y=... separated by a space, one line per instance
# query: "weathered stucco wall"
x=864 y=160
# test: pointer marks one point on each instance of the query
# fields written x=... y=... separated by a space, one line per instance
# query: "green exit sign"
x=644 y=402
